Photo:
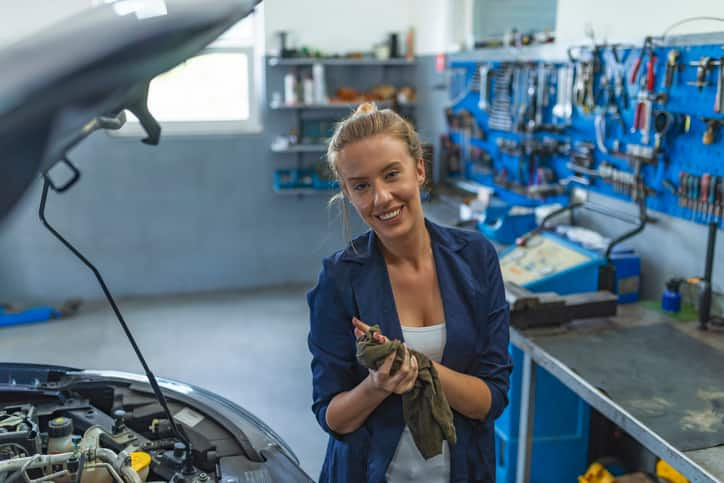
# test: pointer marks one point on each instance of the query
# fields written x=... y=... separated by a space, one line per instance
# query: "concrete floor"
x=250 y=347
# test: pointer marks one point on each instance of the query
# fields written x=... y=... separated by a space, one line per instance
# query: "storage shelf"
x=276 y=61
x=301 y=148
x=336 y=105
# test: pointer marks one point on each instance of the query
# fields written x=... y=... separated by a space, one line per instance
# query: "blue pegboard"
x=682 y=152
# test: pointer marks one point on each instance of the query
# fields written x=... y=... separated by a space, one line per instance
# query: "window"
x=215 y=92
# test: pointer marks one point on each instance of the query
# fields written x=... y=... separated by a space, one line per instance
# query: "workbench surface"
x=659 y=379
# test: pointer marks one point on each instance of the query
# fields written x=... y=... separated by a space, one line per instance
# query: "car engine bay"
x=103 y=432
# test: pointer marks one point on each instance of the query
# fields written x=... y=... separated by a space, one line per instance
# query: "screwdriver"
x=712 y=198
x=704 y=195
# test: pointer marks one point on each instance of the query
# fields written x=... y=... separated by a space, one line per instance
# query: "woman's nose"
x=382 y=196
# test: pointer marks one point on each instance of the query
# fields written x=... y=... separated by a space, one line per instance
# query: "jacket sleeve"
x=331 y=342
x=495 y=364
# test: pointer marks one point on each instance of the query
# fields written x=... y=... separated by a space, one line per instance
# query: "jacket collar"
x=367 y=248
x=375 y=303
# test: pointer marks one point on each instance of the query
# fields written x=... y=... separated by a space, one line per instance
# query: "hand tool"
x=484 y=70
x=540 y=93
x=682 y=188
x=646 y=121
x=702 y=69
x=704 y=182
x=712 y=199
x=662 y=123
x=647 y=48
x=712 y=127
x=719 y=100
x=651 y=72
x=672 y=65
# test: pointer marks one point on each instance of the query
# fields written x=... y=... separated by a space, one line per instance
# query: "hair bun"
x=366 y=108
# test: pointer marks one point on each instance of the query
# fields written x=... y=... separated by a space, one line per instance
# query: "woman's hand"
x=403 y=380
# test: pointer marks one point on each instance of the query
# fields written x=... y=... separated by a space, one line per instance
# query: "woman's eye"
x=393 y=174
x=360 y=186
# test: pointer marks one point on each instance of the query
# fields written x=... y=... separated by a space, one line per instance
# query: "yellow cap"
x=140 y=460
x=665 y=470
x=596 y=473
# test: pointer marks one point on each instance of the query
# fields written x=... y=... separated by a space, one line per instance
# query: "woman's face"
x=382 y=181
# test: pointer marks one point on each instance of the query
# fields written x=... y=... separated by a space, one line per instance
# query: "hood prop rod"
x=178 y=430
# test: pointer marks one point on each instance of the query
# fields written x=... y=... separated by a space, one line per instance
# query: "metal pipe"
x=639 y=228
x=35 y=461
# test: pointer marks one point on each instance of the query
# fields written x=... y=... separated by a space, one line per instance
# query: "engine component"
x=19 y=435
x=60 y=435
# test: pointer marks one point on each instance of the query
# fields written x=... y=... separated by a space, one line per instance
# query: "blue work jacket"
x=356 y=283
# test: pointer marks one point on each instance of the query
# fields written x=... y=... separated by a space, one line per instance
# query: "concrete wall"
x=189 y=215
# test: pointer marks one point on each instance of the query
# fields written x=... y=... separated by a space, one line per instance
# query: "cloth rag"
x=425 y=407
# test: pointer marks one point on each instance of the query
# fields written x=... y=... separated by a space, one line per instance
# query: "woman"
x=438 y=289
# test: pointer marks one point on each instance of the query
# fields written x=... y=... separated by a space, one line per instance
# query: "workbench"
x=658 y=379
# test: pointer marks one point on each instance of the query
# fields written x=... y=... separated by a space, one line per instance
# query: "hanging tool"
x=542 y=93
x=712 y=128
x=703 y=65
x=564 y=93
x=648 y=48
x=599 y=123
x=619 y=74
x=646 y=121
x=672 y=65
x=704 y=181
x=719 y=100
x=500 y=117
x=484 y=70
x=711 y=208
x=682 y=188
x=663 y=122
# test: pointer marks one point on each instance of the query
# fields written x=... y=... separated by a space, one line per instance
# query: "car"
x=75 y=425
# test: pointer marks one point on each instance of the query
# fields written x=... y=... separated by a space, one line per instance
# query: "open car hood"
x=57 y=83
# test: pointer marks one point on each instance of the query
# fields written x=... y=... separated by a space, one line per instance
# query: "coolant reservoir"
x=141 y=462
x=60 y=435
x=93 y=473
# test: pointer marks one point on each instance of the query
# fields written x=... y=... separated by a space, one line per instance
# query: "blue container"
x=293 y=179
x=508 y=228
x=671 y=301
x=577 y=279
x=628 y=275
x=561 y=428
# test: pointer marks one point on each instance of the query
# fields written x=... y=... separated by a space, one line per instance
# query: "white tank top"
x=408 y=464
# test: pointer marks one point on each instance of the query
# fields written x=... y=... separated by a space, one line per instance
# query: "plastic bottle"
x=290 y=89
x=60 y=435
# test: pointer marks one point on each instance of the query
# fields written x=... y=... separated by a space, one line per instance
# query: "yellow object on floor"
x=664 y=470
x=596 y=474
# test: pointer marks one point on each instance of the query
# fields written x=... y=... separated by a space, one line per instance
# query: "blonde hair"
x=365 y=122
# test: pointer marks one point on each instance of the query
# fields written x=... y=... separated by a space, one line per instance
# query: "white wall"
x=631 y=21
x=339 y=26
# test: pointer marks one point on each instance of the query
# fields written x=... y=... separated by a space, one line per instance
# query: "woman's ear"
x=420 y=169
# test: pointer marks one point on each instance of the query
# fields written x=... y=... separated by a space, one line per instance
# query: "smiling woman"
x=437 y=289
x=382 y=151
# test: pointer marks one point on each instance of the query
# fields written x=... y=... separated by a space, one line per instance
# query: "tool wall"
x=635 y=123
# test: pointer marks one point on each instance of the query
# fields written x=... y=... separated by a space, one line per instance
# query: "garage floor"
x=247 y=346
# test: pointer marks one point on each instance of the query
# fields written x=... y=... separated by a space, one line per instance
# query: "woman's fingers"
x=363 y=328
x=387 y=365
x=408 y=382
x=360 y=325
